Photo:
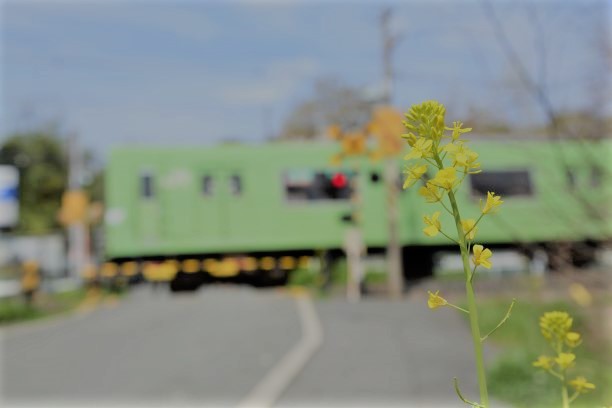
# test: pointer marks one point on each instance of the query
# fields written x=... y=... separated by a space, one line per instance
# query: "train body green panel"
x=265 y=198
x=225 y=199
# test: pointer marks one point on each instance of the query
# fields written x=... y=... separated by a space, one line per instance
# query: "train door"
x=225 y=217
x=212 y=208
x=241 y=213
x=179 y=203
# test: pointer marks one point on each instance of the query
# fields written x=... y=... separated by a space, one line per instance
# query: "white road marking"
x=280 y=377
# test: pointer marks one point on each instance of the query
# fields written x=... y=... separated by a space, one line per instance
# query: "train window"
x=311 y=185
x=207 y=185
x=376 y=178
x=504 y=183
x=236 y=185
x=146 y=186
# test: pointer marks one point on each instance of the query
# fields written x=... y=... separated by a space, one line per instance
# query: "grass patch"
x=15 y=309
x=311 y=278
x=304 y=277
x=372 y=275
x=513 y=379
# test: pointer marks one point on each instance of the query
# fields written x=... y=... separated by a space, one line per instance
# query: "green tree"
x=42 y=162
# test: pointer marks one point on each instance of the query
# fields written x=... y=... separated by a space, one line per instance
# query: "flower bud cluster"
x=556 y=328
x=444 y=150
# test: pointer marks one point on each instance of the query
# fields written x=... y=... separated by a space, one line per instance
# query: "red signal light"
x=339 y=180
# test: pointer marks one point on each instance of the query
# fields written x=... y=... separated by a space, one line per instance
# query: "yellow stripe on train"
x=249 y=264
x=209 y=265
x=287 y=262
x=304 y=262
x=190 y=266
x=164 y=271
x=129 y=268
x=267 y=263
x=226 y=268
x=109 y=270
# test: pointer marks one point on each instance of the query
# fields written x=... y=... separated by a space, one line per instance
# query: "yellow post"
x=30 y=280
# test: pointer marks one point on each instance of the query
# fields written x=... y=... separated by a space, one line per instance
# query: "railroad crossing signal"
x=30 y=280
x=74 y=207
x=353 y=145
x=385 y=126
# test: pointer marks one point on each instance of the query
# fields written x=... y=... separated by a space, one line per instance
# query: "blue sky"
x=191 y=72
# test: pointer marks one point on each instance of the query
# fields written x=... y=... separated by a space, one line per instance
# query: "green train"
x=192 y=214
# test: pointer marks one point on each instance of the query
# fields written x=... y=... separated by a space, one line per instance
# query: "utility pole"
x=394 y=254
x=78 y=255
x=354 y=245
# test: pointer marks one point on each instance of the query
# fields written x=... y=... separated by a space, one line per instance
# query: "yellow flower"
x=414 y=173
x=422 y=148
x=426 y=120
x=565 y=360
x=435 y=300
x=481 y=256
x=445 y=178
x=469 y=228
x=581 y=385
x=431 y=193
x=572 y=339
x=544 y=362
x=492 y=203
x=437 y=127
x=463 y=156
x=433 y=225
x=457 y=130
x=409 y=137
x=555 y=325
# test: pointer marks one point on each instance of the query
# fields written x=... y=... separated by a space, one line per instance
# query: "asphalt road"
x=215 y=346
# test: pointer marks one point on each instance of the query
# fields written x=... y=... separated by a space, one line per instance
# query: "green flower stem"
x=555 y=374
x=446 y=208
x=462 y=398
x=457 y=307
x=474 y=326
x=475 y=225
x=573 y=397
x=564 y=396
x=501 y=323
x=442 y=232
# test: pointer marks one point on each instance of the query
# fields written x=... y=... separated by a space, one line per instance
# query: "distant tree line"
x=41 y=157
